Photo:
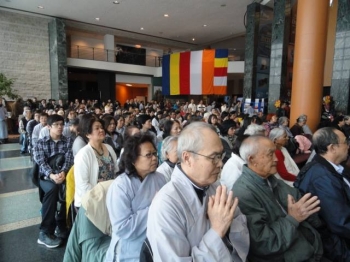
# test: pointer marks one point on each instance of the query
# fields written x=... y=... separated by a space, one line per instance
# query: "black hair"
x=167 y=127
x=211 y=117
x=131 y=152
x=107 y=119
x=54 y=118
x=141 y=120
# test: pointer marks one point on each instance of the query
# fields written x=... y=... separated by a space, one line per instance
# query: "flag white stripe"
x=196 y=72
x=220 y=80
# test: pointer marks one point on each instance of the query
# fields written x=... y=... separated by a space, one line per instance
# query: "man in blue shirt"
x=51 y=181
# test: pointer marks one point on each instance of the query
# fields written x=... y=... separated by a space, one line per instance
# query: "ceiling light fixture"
x=116 y=2
x=204 y=25
x=97 y=19
x=193 y=39
x=166 y=15
x=141 y=28
x=138 y=46
x=128 y=84
x=40 y=7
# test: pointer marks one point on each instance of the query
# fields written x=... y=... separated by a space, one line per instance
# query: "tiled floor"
x=20 y=211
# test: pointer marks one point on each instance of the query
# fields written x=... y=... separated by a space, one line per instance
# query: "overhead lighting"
x=128 y=84
x=141 y=28
x=193 y=39
x=138 y=46
x=330 y=2
x=166 y=15
x=234 y=49
x=116 y=2
x=40 y=7
x=97 y=19
x=204 y=25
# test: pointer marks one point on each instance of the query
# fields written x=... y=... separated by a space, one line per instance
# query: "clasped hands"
x=58 y=178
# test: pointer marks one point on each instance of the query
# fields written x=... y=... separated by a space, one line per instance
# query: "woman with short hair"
x=169 y=157
x=130 y=195
x=95 y=162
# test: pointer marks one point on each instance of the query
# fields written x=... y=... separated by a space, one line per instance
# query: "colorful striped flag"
x=196 y=73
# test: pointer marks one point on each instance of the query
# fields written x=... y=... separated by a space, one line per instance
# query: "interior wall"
x=332 y=24
x=85 y=41
x=123 y=93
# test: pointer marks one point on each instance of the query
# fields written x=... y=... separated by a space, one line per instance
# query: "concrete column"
x=309 y=60
x=109 y=48
x=58 y=59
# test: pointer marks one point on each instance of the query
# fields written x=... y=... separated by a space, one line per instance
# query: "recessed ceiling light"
x=138 y=46
x=204 y=25
x=97 y=19
x=141 y=28
x=40 y=7
x=116 y=2
x=128 y=84
x=234 y=49
x=166 y=15
x=193 y=39
x=223 y=5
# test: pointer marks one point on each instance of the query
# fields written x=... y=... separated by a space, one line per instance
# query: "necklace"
x=100 y=154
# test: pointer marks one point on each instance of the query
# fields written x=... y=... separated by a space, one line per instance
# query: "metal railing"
x=114 y=56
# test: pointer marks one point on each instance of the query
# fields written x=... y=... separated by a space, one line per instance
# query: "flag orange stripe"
x=208 y=71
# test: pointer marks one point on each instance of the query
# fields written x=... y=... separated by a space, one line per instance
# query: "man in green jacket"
x=280 y=222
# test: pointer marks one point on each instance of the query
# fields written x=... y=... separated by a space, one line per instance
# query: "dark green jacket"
x=274 y=235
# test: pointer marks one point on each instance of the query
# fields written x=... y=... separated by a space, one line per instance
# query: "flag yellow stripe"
x=221 y=62
x=175 y=74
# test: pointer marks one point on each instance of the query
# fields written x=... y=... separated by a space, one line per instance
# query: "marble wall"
x=340 y=89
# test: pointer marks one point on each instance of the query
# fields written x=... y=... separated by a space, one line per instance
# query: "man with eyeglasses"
x=192 y=217
x=280 y=221
x=53 y=228
x=326 y=178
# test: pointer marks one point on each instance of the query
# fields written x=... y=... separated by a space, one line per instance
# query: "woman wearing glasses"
x=95 y=162
x=130 y=196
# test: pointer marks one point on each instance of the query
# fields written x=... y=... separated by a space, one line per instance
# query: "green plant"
x=6 y=87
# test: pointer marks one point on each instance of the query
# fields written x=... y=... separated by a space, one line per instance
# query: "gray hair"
x=276 y=133
x=167 y=146
x=282 y=119
x=323 y=138
x=254 y=129
x=250 y=147
x=191 y=138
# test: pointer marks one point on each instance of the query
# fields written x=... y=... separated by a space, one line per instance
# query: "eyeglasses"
x=149 y=155
x=346 y=142
x=57 y=124
x=215 y=159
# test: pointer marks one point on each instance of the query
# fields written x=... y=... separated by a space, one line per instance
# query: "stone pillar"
x=109 y=48
x=58 y=59
x=309 y=60
x=251 y=39
x=279 y=53
x=257 y=51
x=341 y=62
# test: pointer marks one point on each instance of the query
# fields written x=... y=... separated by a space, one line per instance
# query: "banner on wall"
x=197 y=73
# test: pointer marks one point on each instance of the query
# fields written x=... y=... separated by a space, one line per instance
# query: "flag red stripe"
x=185 y=73
x=220 y=71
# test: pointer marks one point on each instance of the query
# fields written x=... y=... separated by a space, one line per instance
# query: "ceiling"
x=208 y=22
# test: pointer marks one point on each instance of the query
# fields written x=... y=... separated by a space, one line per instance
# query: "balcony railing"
x=99 y=54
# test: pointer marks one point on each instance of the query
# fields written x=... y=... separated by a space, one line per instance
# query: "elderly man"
x=324 y=177
x=279 y=221
x=192 y=217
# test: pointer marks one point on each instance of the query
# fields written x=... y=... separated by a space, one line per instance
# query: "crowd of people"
x=186 y=181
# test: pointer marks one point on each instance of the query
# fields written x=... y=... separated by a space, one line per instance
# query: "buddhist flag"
x=196 y=73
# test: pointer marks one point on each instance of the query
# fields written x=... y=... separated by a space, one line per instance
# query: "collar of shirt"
x=337 y=168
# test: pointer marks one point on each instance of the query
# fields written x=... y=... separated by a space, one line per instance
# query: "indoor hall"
x=20 y=210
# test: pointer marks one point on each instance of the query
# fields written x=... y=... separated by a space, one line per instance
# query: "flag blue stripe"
x=221 y=53
x=166 y=75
